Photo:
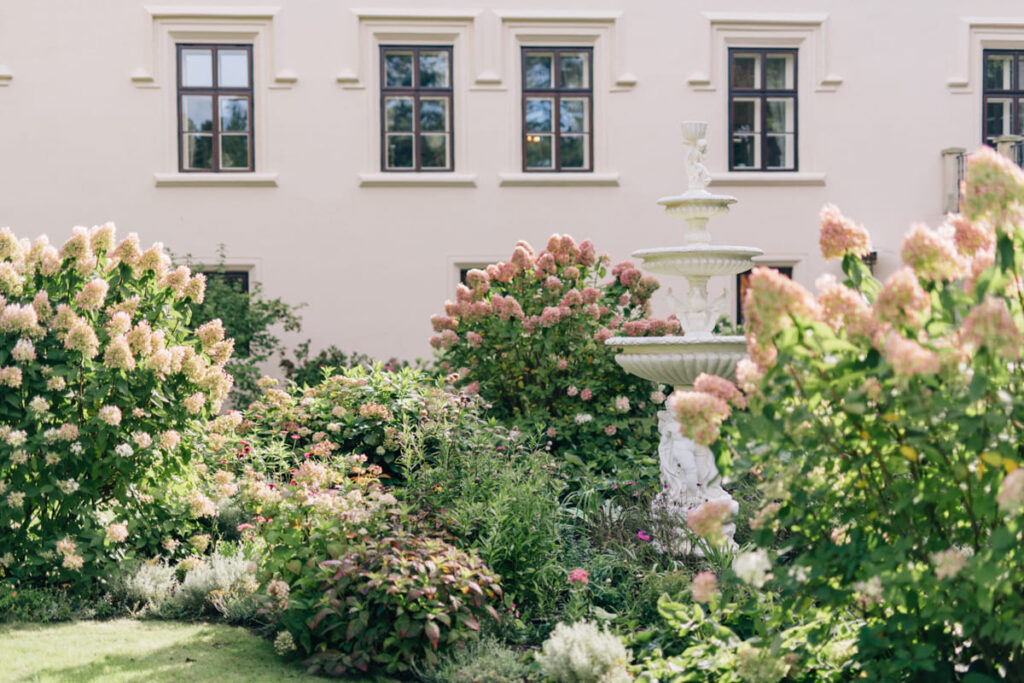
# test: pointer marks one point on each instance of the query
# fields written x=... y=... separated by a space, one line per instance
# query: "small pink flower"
x=704 y=587
x=840 y=235
x=572 y=391
x=642 y=536
x=579 y=575
x=586 y=395
x=551 y=432
x=610 y=430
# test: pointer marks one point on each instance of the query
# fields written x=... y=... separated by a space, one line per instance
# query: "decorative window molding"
x=975 y=35
x=410 y=27
x=202 y=24
x=5 y=76
x=749 y=178
x=597 y=30
x=458 y=264
x=807 y=32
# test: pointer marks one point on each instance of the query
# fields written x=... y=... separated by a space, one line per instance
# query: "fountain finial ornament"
x=697 y=175
x=689 y=477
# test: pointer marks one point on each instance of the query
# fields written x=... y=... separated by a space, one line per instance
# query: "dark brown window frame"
x=416 y=92
x=1015 y=94
x=763 y=93
x=556 y=93
x=216 y=92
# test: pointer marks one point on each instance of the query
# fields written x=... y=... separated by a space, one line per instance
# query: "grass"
x=128 y=650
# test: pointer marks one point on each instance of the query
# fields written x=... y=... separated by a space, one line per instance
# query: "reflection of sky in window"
x=538 y=115
x=399 y=70
x=538 y=72
x=434 y=69
x=571 y=116
x=572 y=72
x=232 y=69
x=198 y=113
x=432 y=114
x=198 y=68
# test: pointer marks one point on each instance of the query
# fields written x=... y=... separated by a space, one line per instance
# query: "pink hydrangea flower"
x=948 y=563
x=720 y=387
x=611 y=430
x=110 y=414
x=699 y=414
x=909 y=358
x=840 y=235
x=92 y=295
x=902 y=300
x=845 y=309
x=933 y=256
x=579 y=576
x=704 y=587
x=117 y=533
x=572 y=391
x=621 y=404
x=771 y=300
x=708 y=520
x=990 y=324
x=994 y=189
x=1011 y=493
x=586 y=394
x=969 y=236
x=551 y=432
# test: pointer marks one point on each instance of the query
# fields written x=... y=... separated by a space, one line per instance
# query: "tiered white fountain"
x=689 y=476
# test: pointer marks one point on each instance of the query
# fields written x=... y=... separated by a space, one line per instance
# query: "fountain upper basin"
x=701 y=260
x=677 y=360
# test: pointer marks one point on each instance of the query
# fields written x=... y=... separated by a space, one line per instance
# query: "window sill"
x=556 y=179
x=767 y=178
x=402 y=179
x=215 y=179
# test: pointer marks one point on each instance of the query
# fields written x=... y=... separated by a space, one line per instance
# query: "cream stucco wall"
x=87 y=120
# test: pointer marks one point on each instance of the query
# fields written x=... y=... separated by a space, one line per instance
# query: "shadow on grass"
x=209 y=654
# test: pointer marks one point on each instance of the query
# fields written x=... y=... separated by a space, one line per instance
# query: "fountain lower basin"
x=677 y=360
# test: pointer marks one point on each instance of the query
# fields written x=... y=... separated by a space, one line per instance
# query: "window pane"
x=434 y=69
x=539 y=114
x=234 y=151
x=539 y=152
x=745 y=152
x=1020 y=73
x=537 y=69
x=198 y=151
x=573 y=116
x=233 y=68
x=997 y=117
x=574 y=69
x=779 y=151
x=779 y=115
x=434 y=149
x=399 y=153
x=234 y=113
x=197 y=68
x=398 y=113
x=574 y=151
x=398 y=69
x=197 y=113
x=746 y=70
x=779 y=71
x=746 y=115
x=434 y=113
x=997 y=72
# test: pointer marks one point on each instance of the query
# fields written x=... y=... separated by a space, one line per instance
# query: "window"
x=558 y=111
x=1003 y=94
x=416 y=108
x=215 y=108
x=762 y=110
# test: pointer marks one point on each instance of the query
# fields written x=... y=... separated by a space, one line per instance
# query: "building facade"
x=356 y=158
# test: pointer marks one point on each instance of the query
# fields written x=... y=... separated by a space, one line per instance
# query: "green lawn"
x=128 y=650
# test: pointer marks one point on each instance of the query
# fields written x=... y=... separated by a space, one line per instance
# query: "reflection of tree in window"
x=557 y=91
x=1003 y=94
x=762 y=109
x=416 y=108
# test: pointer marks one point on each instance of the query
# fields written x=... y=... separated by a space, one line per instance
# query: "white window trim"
x=596 y=30
x=975 y=35
x=173 y=25
x=253 y=265
x=806 y=33
x=410 y=27
x=5 y=76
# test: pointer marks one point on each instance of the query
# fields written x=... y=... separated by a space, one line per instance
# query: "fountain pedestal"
x=689 y=477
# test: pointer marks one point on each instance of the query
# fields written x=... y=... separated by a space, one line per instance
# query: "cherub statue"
x=697 y=175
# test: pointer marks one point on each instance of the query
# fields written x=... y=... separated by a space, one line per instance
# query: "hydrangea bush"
x=529 y=334
x=887 y=421
x=102 y=384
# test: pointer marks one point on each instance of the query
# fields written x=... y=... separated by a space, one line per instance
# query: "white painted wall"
x=87 y=124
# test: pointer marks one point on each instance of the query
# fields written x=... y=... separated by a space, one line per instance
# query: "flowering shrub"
x=355 y=411
x=886 y=419
x=529 y=334
x=355 y=589
x=102 y=383
x=583 y=653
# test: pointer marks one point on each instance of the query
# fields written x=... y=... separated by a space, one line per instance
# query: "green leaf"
x=433 y=632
